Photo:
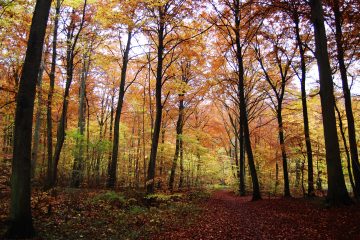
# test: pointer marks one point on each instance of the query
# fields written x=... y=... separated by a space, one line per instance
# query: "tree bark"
x=182 y=168
x=342 y=132
x=36 y=139
x=70 y=54
x=111 y=181
x=161 y=167
x=20 y=209
x=337 y=193
x=311 y=191
x=158 y=103
x=111 y=127
x=50 y=181
x=179 y=127
x=78 y=167
x=242 y=187
x=347 y=98
x=283 y=151
x=243 y=110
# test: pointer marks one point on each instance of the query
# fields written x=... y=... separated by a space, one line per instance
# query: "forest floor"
x=227 y=216
x=98 y=214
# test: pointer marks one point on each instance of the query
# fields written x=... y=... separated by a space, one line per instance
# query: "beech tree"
x=297 y=13
x=163 y=30
x=21 y=219
x=337 y=193
x=72 y=37
x=239 y=32
x=278 y=79
x=52 y=166
x=347 y=95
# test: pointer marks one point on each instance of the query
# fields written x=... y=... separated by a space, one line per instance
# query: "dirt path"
x=227 y=216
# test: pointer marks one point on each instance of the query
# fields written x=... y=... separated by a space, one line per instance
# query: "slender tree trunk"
x=342 y=132
x=283 y=152
x=111 y=127
x=131 y=155
x=243 y=110
x=198 y=165
x=143 y=136
x=158 y=116
x=242 y=187
x=182 y=168
x=276 y=175
x=337 y=193
x=347 y=98
x=311 y=191
x=111 y=181
x=20 y=209
x=179 y=127
x=138 y=154
x=70 y=54
x=60 y=137
x=88 y=161
x=50 y=181
x=78 y=167
x=36 y=139
x=161 y=168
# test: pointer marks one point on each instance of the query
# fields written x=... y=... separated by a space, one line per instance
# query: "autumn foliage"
x=174 y=96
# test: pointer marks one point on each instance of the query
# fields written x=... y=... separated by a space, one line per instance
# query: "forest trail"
x=227 y=216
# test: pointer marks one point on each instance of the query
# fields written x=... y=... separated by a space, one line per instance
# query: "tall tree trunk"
x=243 y=110
x=111 y=127
x=70 y=54
x=111 y=181
x=161 y=167
x=198 y=166
x=20 y=209
x=337 y=193
x=88 y=161
x=78 y=167
x=342 y=132
x=50 y=181
x=138 y=154
x=36 y=139
x=143 y=135
x=242 y=187
x=179 y=127
x=311 y=191
x=283 y=151
x=158 y=116
x=347 y=98
x=60 y=135
x=182 y=168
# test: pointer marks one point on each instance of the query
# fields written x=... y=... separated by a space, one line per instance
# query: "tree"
x=186 y=87
x=277 y=82
x=167 y=20
x=296 y=12
x=36 y=138
x=127 y=19
x=347 y=96
x=302 y=49
x=52 y=166
x=234 y=23
x=79 y=165
x=337 y=193
x=244 y=124
x=21 y=219
x=72 y=38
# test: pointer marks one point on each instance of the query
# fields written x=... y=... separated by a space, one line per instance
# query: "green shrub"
x=135 y=210
x=111 y=197
x=199 y=195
